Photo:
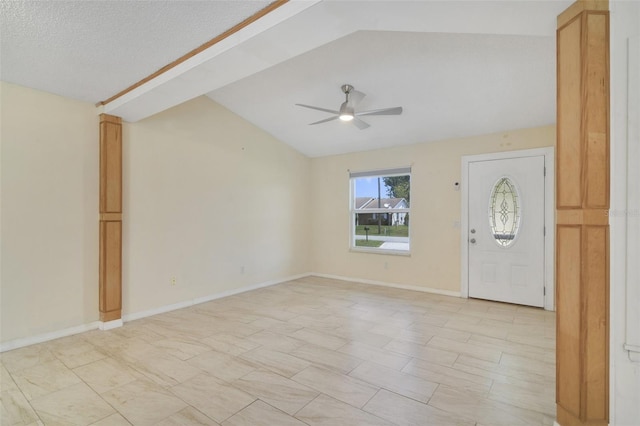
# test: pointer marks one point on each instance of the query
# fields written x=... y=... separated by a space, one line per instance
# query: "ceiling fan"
x=347 y=109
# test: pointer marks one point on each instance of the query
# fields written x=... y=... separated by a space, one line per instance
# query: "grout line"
x=434 y=392
x=305 y=405
x=24 y=396
x=369 y=400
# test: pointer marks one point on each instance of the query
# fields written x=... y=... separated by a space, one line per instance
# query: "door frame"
x=549 y=217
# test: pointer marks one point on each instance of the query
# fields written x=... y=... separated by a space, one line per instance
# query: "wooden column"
x=582 y=222
x=110 y=218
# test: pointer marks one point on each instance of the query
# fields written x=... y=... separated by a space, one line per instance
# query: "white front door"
x=506 y=230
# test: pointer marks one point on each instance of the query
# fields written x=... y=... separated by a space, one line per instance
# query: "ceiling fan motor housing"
x=347 y=88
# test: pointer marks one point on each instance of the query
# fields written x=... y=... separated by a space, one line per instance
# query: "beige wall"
x=49 y=202
x=206 y=195
x=435 y=209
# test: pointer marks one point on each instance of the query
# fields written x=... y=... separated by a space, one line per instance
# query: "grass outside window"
x=385 y=230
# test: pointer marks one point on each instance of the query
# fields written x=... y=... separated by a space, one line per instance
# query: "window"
x=380 y=210
x=504 y=212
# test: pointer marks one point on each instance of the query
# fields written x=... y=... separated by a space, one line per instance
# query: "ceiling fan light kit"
x=347 y=111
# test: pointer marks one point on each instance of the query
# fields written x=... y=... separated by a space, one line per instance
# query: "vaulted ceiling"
x=457 y=68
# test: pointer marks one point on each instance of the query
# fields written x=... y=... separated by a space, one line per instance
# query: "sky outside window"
x=368 y=187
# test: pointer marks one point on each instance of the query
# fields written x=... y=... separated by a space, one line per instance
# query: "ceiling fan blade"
x=382 y=111
x=359 y=123
x=324 y=121
x=356 y=97
x=319 y=109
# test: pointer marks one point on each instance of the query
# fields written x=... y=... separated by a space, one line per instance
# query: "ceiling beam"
x=270 y=8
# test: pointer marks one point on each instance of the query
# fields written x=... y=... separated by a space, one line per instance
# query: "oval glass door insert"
x=504 y=212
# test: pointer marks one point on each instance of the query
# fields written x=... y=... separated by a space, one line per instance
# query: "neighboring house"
x=366 y=204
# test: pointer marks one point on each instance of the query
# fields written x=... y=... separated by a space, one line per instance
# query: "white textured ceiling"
x=459 y=68
x=450 y=85
x=91 y=50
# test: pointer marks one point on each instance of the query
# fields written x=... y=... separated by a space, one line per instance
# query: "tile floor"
x=307 y=352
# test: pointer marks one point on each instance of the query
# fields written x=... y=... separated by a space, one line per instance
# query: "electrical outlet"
x=173 y=280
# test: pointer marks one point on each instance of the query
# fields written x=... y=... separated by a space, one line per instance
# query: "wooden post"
x=582 y=222
x=110 y=279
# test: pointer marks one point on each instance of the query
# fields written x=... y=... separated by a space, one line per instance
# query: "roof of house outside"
x=365 y=203
x=361 y=201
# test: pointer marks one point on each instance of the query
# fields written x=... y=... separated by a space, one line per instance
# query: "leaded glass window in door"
x=504 y=212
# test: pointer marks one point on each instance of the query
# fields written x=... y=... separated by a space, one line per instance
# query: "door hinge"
x=544 y=231
x=544 y=173
x=544 y=291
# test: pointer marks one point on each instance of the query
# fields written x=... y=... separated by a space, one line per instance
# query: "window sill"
x=380 y=251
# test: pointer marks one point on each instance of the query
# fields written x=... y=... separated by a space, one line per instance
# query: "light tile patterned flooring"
x=307 y=352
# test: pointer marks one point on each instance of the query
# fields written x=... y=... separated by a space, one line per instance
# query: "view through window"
x=380 y=210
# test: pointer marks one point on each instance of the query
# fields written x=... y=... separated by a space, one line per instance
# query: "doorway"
x=507 y=227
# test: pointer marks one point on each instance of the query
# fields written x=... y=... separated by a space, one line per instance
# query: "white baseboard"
x=27 y=341
x=392 y=285
x=155 y=311
x=249 y=288
x=556 y=423
x=198 y=300
x=32 y=340
x=110 y=325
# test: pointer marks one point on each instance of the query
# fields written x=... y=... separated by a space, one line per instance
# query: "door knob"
x=472 y=241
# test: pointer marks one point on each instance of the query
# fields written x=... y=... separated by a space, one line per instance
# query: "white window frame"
x=397 y=171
